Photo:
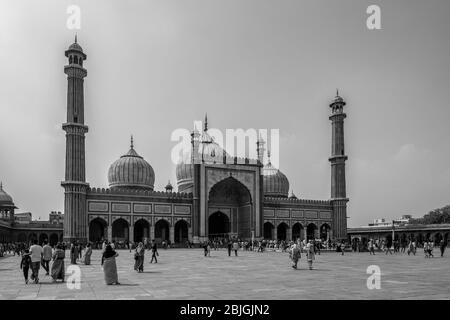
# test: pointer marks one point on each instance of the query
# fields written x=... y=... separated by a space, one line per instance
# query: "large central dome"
x=205 y=150
x=131 y=171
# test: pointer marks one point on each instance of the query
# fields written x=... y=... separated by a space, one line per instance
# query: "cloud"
x=410 y=153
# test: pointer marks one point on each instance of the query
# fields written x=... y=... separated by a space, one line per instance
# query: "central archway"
x=218 y=225
x=234 y=197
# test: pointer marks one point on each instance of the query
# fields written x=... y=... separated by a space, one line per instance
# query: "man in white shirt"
x=36 y=252
x=46 y=257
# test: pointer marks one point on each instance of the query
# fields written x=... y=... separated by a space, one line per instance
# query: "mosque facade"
x=218 y=195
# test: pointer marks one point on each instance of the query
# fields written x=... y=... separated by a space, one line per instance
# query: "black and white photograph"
x=224 y=151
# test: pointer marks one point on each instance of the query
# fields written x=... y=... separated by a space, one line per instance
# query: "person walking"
x=229 y=246
x=426 y=249
x=410 y=248
x=36 y=252
x=442 y=246
x=46 y=257
x=342 y=247
x=310 y=253
x=389 y=249
x=371 y=247
x=57 y=271
x=154 y=252
x=110 y=266
x=25 y=264
x=235 y=248
x=295 y=255
x=87 y=254
x=80 y=251
x=73 y=253
x=208 y=248
x=139 y=258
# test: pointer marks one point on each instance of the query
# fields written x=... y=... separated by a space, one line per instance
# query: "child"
x=25 y=264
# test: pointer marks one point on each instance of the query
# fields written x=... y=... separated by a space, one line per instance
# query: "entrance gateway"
x=231 y=206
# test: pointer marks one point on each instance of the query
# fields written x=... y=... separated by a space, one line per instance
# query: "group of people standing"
x=76 y=253
x=295 y=253
x=37 y=255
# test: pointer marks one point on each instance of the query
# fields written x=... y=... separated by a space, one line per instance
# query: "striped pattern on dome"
x=131 y=171
x=276 y=184
x=5 y=199
x=184 y=173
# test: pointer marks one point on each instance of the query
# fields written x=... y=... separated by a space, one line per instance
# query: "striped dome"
x=276 y=184
x=206 y=150
x=5 y=199
x=131 y=171
x=184 y=173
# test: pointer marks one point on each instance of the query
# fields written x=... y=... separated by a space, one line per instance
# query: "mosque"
x=218 y=195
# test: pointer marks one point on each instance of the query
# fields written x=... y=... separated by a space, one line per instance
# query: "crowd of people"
x=409 y=248
x=51 y=258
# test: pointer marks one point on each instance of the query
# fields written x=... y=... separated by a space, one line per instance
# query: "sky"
x=158 y=65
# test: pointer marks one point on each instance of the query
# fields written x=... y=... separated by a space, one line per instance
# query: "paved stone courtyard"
x=186 y=274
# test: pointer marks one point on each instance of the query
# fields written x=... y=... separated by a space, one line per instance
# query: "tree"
x=436 y=216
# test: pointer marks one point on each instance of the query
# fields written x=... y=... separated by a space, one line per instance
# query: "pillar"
x=172 y=234
x=190 y=234
x=152 y=232
x=288 y=234
x=109 y=233
x=131 y=234
x=275 y=236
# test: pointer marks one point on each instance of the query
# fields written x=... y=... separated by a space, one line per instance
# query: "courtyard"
x=187 y=274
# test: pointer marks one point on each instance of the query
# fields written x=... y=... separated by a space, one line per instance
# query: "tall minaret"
x=75 y=186
x=338 y=194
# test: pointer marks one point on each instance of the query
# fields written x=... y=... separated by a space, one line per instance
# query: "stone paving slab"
x=187 y=274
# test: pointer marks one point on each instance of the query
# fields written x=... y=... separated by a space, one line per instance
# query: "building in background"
x=23 y=217
x=218 y=195
x=19 y=227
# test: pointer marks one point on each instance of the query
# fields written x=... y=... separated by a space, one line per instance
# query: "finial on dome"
x=169 y=187
x=1 y=185
x=337 y=92
x=76 y=37
x=206 y=122
x=132 y=144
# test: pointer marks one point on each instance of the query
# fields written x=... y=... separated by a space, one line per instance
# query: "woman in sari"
x=139 y=258
x=295 y=255
x=58 y=263
x=87 y=254
x=310 y=253
x=109 y=265
x=73 y=253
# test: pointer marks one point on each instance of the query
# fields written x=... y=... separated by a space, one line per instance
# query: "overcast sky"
x=155 y=66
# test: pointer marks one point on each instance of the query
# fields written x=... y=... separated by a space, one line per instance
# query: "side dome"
x=5 y=199
x=131 y=171
x=276 y=184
